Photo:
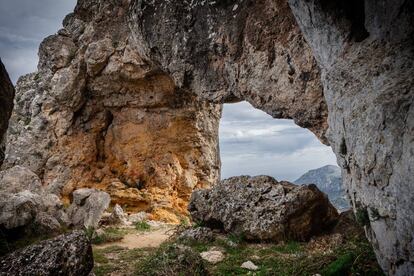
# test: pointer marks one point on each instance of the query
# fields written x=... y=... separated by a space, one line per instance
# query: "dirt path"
x=152 y=238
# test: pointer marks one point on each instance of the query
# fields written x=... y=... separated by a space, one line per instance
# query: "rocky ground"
x=196 y=250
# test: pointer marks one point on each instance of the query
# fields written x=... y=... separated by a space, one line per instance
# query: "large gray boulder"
x=24 y=203
x=88 y=207
x=66 y=255
x=261 y=208
x=6 y=106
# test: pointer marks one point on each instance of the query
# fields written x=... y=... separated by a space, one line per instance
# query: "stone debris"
x=249 y=265
x=212 y=256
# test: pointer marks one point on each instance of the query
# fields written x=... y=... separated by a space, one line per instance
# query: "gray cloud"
x=24 y=24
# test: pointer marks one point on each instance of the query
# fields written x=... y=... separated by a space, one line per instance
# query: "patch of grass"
x=171 y=259
x=142 y=226
x=290 y=247
x=133 y=254
x=109 y=235
x=341 y=266
x=105 y=269
x=99 y=257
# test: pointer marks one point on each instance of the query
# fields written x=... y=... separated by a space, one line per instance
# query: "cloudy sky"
x=23 y=25
x=251 y=142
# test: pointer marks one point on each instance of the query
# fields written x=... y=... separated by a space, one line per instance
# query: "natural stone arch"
x=254 y=50
x=224 y=50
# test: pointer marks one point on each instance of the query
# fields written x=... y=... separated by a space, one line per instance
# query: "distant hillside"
x=329 y=180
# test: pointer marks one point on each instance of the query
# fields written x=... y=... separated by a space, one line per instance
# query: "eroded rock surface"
x=261 y=208
x=25 y=205
x=6 y=106
x=69 y=254
x=97 y=115
x=88 y=207
x=234 y=50
x=365 y=50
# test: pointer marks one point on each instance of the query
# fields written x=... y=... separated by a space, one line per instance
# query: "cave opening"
x=254 y=143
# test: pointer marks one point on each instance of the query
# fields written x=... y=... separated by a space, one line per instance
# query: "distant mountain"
x=329 y=180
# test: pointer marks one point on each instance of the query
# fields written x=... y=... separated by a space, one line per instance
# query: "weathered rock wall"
x=6 y=106
x=366 y=53
x=97 y=115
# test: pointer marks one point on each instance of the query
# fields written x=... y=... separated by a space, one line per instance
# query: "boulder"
x=261 y=208
x=88 y=207
x=19 y=209
x=24 y=203
x=19 y=178
x=117 y=217
x=68 y=254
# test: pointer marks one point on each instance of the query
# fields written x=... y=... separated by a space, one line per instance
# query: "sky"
x=23 y=25
x=251 y=142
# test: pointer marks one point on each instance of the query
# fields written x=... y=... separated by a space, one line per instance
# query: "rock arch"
x=294 y=61
x=256 y=50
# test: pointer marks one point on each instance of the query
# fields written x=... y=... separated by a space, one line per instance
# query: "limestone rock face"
x=6 y=106
x=88 y=207
x=97 y=115
x=234 y=50
x=365 y=51
x=261 y=208
x=69 y=254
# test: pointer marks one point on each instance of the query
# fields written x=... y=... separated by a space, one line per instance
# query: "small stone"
x=117 y=216
x=212 y=256
x=249 y=265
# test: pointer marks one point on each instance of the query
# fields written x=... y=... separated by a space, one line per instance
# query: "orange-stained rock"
x=97 y=115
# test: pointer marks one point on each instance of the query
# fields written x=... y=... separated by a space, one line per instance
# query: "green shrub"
x=362 y=216
x=341 y=266
x=142 y=226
